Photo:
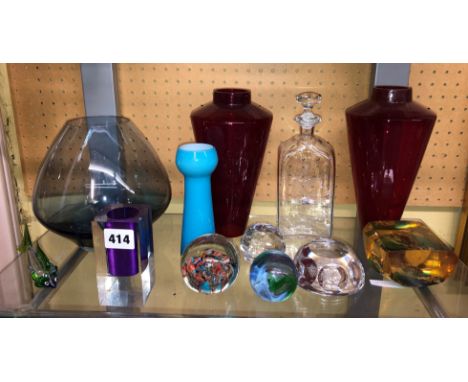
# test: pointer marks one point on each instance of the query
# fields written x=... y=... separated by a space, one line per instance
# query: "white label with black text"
x=119 y=238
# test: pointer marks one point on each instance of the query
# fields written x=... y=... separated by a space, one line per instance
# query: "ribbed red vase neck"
x=231 y=97
x=392 y=94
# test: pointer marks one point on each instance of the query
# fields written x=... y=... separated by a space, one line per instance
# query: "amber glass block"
x=408 y=252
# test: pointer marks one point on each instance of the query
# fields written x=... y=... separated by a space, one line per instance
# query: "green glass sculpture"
x=43 y=272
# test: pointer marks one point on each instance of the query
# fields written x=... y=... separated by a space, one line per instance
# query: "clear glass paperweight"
x=95 y=162
x=408 y=252
x=260 y=237
x=306 y=177
x=273 y=276
x=209 y=264
x=329 y=267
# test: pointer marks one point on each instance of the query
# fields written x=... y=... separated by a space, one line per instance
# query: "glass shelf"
x=76 y=294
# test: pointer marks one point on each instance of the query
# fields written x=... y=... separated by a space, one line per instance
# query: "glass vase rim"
x=392 y=93
x=232 y=90
x=127 y=212
x=231 y=96
x=96 y=117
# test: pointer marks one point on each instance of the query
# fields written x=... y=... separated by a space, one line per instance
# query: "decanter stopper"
x=307 y=119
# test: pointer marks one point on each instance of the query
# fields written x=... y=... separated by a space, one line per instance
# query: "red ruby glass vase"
x=239 y=130
x=387 y=135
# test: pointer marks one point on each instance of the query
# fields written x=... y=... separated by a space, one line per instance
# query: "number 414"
x=119 y=239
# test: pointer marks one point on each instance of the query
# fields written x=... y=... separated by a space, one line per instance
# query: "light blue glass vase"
x=196 y=161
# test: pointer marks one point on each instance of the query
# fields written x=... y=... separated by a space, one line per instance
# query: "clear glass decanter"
x=306 y=178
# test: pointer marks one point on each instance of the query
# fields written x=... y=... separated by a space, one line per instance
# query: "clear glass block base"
x=329 y=267
x=258 y=238
x=130 y=291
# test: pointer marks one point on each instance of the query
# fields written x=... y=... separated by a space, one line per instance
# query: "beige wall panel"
x=442 y=175
x=44 y=97
x=160 y=97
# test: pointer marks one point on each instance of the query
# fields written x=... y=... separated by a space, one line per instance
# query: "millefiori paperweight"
x=408 y=252
x=260 y=237
x=209 y=264
x=123 y=244
x=273 y=276
x=329 y=267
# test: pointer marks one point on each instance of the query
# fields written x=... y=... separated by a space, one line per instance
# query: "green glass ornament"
x=43 y=272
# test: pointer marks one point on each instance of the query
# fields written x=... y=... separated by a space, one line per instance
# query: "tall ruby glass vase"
x=388 y=135
x=239 y=130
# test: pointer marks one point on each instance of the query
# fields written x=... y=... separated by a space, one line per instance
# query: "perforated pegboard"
x=159 y=99
x=442 y=176
x=44 y=97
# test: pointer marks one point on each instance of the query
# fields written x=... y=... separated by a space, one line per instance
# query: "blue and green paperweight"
x=273 y=276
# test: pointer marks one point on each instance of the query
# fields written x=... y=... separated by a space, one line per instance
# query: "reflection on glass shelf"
x=77 y=295
x=452 y=295
x=17 y=292
x=16 y=288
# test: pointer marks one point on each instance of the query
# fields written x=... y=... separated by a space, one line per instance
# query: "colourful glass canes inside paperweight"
x=329 y=267
x=95 y=162
x=260 y=237
x=209 y=264
x=196 y=161
x=273 y=276
x=123 y=245
x=238 y=129
x=408 y=252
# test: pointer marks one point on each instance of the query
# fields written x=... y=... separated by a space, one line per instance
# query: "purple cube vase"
x=123 y=244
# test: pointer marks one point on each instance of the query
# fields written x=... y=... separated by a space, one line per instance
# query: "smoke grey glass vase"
x=94 y=162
